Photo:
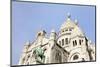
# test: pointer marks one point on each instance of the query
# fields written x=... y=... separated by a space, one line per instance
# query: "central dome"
x=69 y=30
x=68 y=23
x=70 y=27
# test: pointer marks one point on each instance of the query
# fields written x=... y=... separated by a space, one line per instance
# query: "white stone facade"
x=69 y=45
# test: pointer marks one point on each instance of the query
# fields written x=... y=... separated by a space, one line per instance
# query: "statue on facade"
x=39 y=55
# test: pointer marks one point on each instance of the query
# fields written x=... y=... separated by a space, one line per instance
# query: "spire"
x=53 y=34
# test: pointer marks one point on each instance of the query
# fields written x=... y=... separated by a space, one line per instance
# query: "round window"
x=75 y=57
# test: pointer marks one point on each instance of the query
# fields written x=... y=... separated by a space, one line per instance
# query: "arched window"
x=75 y=57
x=66 y=40
x=62 y=42
x=66 y=30
x=74 y=43
x=59 y=42
x=58 y=56
x=70 y=29
x=80 y=42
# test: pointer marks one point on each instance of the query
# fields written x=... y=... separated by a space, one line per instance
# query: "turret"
x=26 y=46
x=40 y=36
x=52 y=42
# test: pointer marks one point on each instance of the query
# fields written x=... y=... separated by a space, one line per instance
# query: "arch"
x=66 y=40
x=75 y=56
x=74 y=43
x=63 y=42
x=58 y=56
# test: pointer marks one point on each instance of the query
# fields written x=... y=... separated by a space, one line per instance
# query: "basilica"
x=70 y=44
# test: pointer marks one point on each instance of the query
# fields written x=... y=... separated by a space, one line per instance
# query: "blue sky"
x=29 y=18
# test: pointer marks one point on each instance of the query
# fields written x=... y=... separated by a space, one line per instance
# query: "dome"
x=68 y=23
x=70 y=26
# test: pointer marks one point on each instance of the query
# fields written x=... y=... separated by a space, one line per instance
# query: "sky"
x=28 y=18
